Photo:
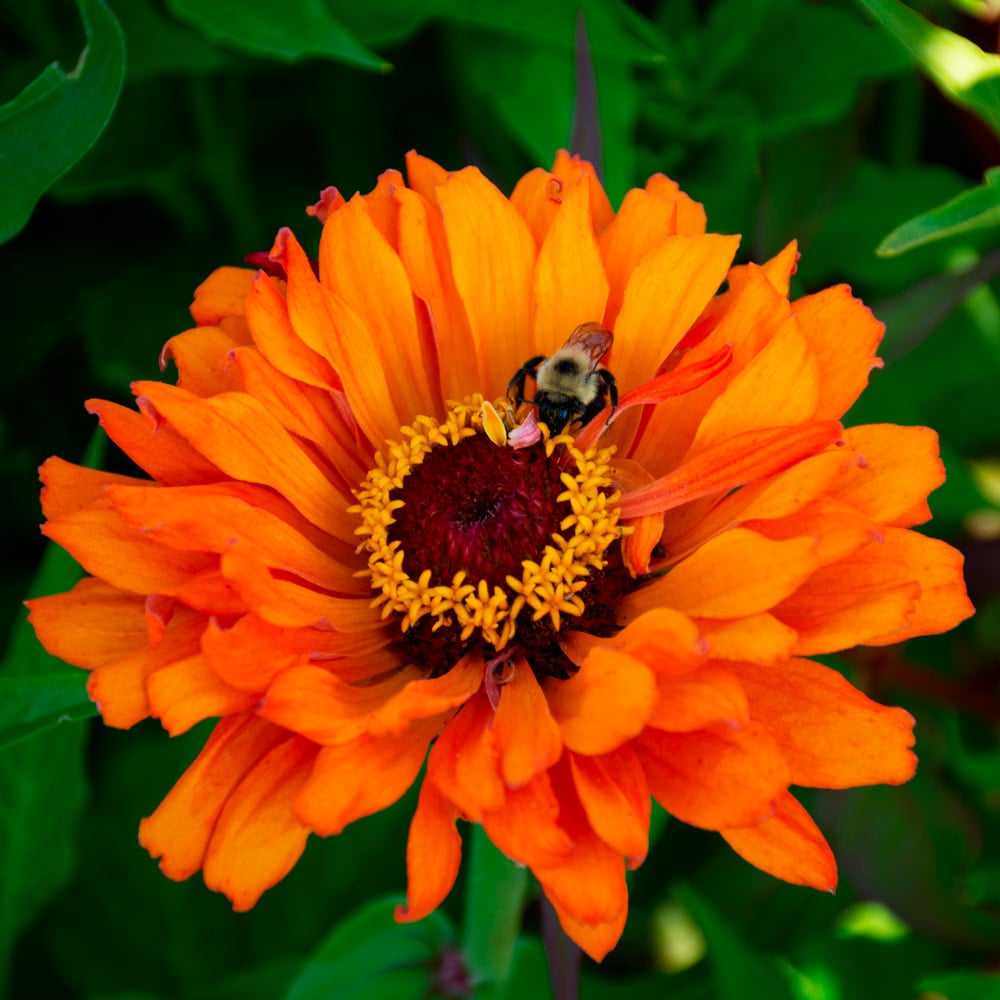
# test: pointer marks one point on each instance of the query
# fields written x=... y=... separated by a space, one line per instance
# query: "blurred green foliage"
x=178 y=136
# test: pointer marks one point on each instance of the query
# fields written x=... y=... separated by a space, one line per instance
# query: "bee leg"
x=610 y=390
x=517 y=382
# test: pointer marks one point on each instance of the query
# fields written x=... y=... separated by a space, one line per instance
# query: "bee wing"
x=593 y=339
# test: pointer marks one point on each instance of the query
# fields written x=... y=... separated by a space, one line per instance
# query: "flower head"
x=363 y=556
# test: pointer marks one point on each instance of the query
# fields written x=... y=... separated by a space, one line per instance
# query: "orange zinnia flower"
x=353 y=547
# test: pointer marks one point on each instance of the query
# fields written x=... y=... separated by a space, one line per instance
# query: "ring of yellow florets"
x=552 y=581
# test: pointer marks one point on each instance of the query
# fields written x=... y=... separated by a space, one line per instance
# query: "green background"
x=168 y=137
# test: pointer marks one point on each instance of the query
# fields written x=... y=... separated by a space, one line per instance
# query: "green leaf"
x=371 y=957
x=42 y=793
x=816 y=83
x=962 y=70
x=158 y=45
x=911 y=848
x=738 y=970
x=29 y=705
x=42 y=786
x=962 y=986
x=294 y=29
x=493 y=907
x=977 y=208
x=58 y=117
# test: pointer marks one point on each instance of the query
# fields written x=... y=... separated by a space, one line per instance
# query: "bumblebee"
x=571 y=386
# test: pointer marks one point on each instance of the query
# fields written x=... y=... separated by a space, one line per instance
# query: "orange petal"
x=234 y=654
x=335 y=331
x=839 y=530
x=217 y=517
x=642 y=224
x=663 y=639
x=690 y=213
x=493 y=276
x=463 y=761
x=67 y=488
x=91 y=624
x=615 y=796
x=187 y=691
x=844 y=336
x=362 y=777
x=694 y=700
x=943 y=601
x=537 y=197
x=740 y=460
x=178 y=831
x=290 y=605
x=119 y=687
x=423 y=249
x=714 y=778
x=570 y=285
x=320 y=416
x=594 y=939
x=571 y=168
x=365 y=274
x=242 y=438
x=745 y=318
x=315 y=702
x=257 y=838
x=157 y=449
x=589 y=884
x=381 y=206
x=897 y=468
x=831 y=734
x=223 y=293
x=109 y=549
x=527 y=737
x=666 y=386
x=902 y=585
x=605 y=703
x=426 y=697
x=423 y=174
x=735 y=574
x=526 y=827
x=780 y=385
x=665 y=294
x=279 y=342
x=759 y=638
x=433 y=855
x=208 y=592
x=787 y=845
x=777 y=496
x=202 y=357
x=780 y=268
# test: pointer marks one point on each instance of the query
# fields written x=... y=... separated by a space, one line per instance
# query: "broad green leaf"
x=977 y=208
x=609 y=24
x=816 y=83
x=383 y=22
x=371 y=957
x=158 y=44
x=42 y=793
x=737 y=970
x=294 y=29
x=529 y=89
x=30 y=704
x=58 y=117
x=962 y=986
x=962 y=70
x=494 y=903
x=42 y=785
x=910 y=847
